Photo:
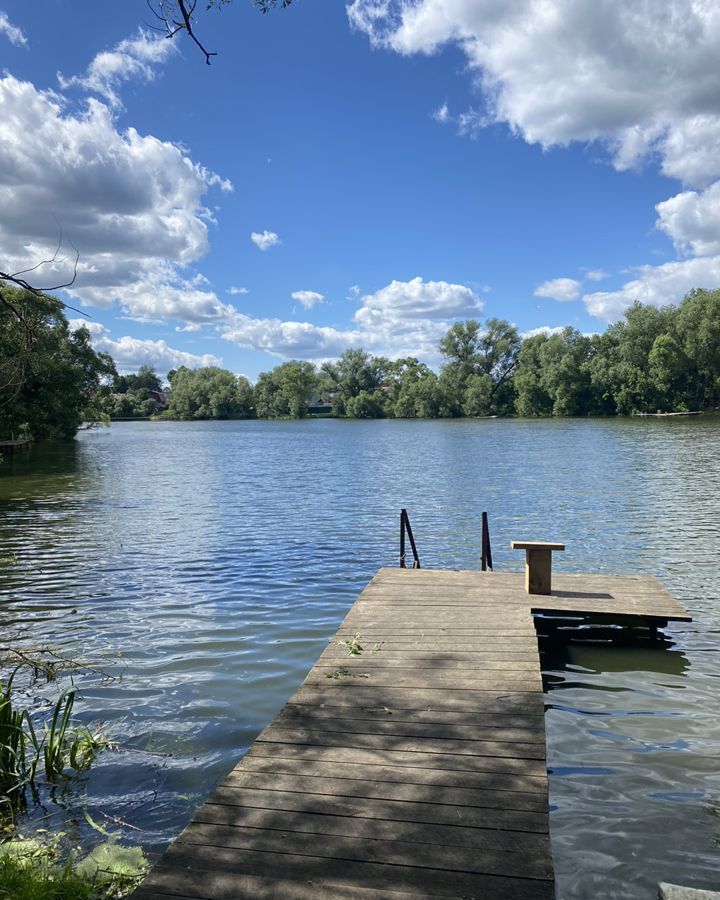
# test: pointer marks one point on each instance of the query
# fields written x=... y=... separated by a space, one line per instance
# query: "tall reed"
x=14 y=769
x=59 y=746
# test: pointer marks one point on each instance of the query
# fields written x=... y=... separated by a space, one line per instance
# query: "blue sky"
x=401 y=163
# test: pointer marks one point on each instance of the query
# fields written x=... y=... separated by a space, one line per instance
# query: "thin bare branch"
x=171 y=25
x=14 y=278
x=45 y=262
x=162 y=10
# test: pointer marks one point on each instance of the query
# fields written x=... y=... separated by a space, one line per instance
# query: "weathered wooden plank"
x=382 y=790
x=394 y=852
x=483 y=719
x=439 y=641
x=182 y=868
x=615 y=593
x=425 y=625
x=521 y=663
x=473 y=780
x=476 y=654
x=418 y=698
x=417 y=832
x=388 y=810
x=430 y=678
x=293 y=718
x=515 y=663
x=207 y=886
x=326 y=738
x=423 y=646
x=449 y=762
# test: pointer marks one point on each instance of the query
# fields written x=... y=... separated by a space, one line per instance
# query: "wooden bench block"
x=538 y=564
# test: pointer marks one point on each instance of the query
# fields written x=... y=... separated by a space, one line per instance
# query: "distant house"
x=320 y=407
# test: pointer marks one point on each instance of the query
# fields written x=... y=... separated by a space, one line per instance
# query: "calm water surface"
x=208 y=563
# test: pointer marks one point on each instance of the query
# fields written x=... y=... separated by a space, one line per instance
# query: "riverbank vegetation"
x=31 y=869
x=49 y=374
x=653 y=359
x=44 y=753
x=132 y=396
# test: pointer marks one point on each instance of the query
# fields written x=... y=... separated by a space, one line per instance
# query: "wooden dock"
x=411 y=761
x=11 y=447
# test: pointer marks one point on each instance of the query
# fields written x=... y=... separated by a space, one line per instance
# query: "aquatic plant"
x=31 y=751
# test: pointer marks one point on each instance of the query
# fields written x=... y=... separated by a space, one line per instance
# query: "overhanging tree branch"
x=14 y=278
x=166 y=10
x=178 y=15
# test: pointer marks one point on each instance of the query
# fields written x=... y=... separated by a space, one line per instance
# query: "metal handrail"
x=405 y=526
x=486 y=562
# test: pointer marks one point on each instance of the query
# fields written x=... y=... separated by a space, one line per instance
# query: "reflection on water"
x=208 y=563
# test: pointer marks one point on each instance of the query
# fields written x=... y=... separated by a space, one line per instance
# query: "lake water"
x=208 y=563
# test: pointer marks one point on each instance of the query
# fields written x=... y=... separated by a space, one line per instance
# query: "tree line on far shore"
x=51 y=379
x=653 y=359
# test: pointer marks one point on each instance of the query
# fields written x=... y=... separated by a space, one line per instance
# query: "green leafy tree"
x=620 y=368
x=698 y=334
x=476 y=378
x=146 y=379
x=669 y=371
x=477 y=399
x=210 y=393
x=533 y=397
x=366 y=405
x=49 y=375
x=552 y=376
x=286 y=391
x=355 y=372
x=411 y=389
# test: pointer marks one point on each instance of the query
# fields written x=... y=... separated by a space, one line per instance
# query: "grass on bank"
x=31 y=870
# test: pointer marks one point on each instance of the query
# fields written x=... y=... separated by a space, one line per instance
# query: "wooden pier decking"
x=11 y=447
x=412 y=767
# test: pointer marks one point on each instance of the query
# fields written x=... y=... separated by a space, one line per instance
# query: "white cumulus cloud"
x=130 y=353
x=308 y=298
x=641 y=77
x=404 y=318
x=264 y=240
x=291 y=340
x=401 y=301
x=692 y=220
x=132 y=58
x=561 y=289
x=656 y=286
x=237 y=290
x=133 y=205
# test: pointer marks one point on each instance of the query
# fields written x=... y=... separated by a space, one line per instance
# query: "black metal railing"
x=486 y=562
x=405 y=527
x=486 y=552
